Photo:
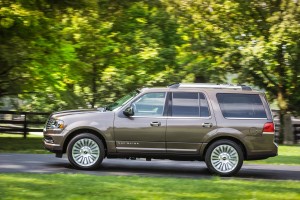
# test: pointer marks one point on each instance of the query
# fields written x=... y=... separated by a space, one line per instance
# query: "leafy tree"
x=261 y=45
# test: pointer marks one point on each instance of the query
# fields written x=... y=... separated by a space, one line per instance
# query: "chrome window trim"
x=170 y=117
x=241 y=118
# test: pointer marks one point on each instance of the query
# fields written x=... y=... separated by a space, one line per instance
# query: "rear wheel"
x=224 y=158
x=85 y=151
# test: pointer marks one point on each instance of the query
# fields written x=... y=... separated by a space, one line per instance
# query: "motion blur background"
x=63 y=54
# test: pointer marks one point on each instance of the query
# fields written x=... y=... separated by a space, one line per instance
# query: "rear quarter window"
x=241 y=105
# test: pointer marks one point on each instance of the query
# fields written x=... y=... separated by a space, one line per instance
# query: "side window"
x=241 y=106
x=185 y=104
x=150 y=104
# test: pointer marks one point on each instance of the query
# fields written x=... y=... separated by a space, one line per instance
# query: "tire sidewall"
x=89 y=136
x=224 y=142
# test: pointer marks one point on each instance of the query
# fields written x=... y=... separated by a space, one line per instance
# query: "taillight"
x=269 y=127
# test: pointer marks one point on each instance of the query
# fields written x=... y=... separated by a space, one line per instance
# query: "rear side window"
x=189 y=104
x=185 y=104
x=241 y=106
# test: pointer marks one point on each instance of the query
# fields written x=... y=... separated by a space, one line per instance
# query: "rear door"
x=189 y=120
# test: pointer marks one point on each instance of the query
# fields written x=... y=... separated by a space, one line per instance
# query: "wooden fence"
x=296 y=133
x=22 y=122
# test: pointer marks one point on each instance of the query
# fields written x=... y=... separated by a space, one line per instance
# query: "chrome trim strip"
x=170 y=117
x=156 y=149
x=189 y=117
x=245 y=118
x=51 y=144
x=190 y=150
x=136 y=148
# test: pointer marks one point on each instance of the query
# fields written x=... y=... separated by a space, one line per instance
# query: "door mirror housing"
x=128 y=111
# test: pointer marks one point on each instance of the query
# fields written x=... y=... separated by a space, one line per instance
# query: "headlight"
x=55 y=124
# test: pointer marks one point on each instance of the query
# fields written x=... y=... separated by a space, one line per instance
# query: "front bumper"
x=53 y=140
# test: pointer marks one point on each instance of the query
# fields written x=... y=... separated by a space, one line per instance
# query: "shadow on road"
x=168 y=169
x=39 y=163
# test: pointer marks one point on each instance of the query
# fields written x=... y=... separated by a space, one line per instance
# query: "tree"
x=261 y=45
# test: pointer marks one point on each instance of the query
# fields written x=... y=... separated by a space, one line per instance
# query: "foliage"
x=69 y=54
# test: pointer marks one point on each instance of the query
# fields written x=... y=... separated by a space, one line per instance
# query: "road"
x=41 y=163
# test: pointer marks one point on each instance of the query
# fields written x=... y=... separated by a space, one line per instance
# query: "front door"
x=145 y=131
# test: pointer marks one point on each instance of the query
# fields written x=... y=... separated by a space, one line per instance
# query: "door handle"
x=207 y=125
x=155 y=123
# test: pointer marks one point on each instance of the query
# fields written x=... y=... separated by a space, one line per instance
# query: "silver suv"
x=222 y=125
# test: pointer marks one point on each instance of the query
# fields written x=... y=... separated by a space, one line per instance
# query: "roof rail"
x=210 y=85
x=174 y=85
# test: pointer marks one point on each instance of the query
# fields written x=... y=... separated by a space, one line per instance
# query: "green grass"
x=287 y=155
x=79 y=186
x=12 y=143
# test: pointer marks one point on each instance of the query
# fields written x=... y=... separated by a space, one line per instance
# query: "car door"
x=145 y=131
x=188 y=122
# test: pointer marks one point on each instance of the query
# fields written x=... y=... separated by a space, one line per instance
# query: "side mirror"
x=128 y=111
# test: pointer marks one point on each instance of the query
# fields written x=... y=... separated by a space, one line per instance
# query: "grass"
x=288 y=155
x=79 y=186
x=13 y=143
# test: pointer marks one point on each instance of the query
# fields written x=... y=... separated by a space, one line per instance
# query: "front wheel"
x=224 y=158
x=85 y=151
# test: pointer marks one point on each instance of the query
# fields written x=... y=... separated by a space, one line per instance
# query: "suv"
x=222 y=125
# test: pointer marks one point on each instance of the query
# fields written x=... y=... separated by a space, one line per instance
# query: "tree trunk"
x=94 y=86
x=286 y=133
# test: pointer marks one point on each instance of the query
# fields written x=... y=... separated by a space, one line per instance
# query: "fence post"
x=25 y=127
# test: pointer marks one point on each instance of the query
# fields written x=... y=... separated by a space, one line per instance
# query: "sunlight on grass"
x=79 y=186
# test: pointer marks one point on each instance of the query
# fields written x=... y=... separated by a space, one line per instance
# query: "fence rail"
x=297 y=133
x=15 y=122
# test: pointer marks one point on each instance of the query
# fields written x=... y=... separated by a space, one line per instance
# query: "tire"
x=224 y=158
x=85 y=151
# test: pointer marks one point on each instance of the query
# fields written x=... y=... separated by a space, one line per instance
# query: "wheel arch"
x=243 y=147
x=84 y=130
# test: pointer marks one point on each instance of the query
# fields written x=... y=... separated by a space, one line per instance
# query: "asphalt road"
x=40 y=163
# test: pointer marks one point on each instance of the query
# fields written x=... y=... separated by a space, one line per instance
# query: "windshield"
x=122 y=100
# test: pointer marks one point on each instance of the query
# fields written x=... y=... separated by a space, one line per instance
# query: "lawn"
x=79 y=186
x=288 y=155
x=13 y=143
